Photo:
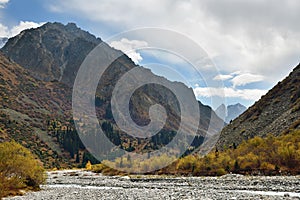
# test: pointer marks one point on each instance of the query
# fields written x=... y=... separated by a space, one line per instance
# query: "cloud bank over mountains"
x=255 y=36
x=15 y=30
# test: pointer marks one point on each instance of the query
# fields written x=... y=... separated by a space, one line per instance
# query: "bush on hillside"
x=19 y=169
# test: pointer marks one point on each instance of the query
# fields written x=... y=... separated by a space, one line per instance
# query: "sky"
x=250 y=44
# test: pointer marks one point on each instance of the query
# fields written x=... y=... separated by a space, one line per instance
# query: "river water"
x=79 y=184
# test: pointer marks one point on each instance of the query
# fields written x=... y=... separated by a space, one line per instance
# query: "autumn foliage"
x=19 y=169
x=270 y=155
x=266 y=156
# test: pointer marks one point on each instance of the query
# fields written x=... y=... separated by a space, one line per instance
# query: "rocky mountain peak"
x=230 y=112
x=51 y=52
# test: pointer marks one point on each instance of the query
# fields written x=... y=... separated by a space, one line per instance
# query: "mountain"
x=275 y=113
x=231 y=111
x=51 y=55
x=52 y=51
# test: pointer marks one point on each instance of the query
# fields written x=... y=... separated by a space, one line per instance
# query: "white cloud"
x=246 y=94
x=6 y=32
x=244 y=79
x=130 y=47
x=250 y=35
x=22 y=26
x=239 y=78
x=3 y=3
x=222 y=77
x=235 y=73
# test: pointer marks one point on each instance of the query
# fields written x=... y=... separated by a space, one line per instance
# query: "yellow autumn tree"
x=18 y=168
x=88 y=166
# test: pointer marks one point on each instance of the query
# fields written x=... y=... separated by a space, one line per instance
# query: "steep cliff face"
x=276 y=112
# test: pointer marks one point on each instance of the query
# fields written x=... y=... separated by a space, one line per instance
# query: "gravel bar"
x=79 y=184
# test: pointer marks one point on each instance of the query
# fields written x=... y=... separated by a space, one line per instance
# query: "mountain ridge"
x=277 y=112
x=55 y=47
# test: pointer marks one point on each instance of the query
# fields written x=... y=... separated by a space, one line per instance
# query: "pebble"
x=86 y=185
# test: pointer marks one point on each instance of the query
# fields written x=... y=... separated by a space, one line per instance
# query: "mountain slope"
x=26 y=105
x=60 y=51
x=53 y=54
x=276 y=112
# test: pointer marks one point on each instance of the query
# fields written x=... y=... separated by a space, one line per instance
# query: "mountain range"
x=230 y=112
x=38 y=70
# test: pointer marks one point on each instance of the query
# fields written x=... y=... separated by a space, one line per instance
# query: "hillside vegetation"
x=19 y=169
x=269 y=156
x=26 y=105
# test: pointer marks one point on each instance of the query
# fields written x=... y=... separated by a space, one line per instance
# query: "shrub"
x=220 y=172
x=18 y=168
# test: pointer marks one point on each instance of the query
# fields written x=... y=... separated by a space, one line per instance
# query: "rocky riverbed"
x=78 y=184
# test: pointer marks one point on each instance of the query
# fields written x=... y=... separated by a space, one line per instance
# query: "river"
x=79 y=184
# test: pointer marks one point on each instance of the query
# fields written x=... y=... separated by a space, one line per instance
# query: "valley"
x=257 y=155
